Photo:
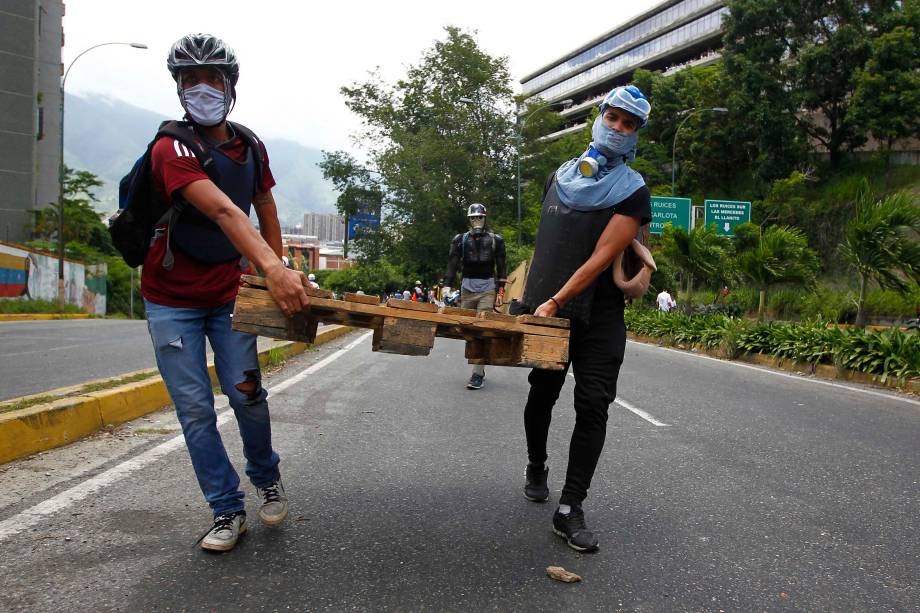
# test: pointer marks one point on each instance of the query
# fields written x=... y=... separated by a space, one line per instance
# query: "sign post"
x=726 y=214
x=675 y=211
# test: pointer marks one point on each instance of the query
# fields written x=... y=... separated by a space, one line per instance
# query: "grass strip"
x=86 y=389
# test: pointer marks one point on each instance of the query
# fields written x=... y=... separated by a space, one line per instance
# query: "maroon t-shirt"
x=191 y=283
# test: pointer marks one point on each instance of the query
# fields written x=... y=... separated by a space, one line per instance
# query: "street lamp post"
x=690 y=113
x=61 y=170
x=520 y=137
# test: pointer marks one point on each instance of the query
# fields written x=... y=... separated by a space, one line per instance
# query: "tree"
x=793 y=63
x=781 y=255
x=359 y=192
x=713 y=149
x=435 y=154
x=699 y=254
x=881 y=244
x=82 y=223
x=887 y=95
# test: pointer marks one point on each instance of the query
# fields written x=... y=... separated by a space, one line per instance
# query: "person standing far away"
x=312 y=279
x=191 y=276
x=665 y=301
x=480 y=255
x=593 y=207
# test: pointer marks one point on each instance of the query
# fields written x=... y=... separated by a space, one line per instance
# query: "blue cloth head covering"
x=614 y=182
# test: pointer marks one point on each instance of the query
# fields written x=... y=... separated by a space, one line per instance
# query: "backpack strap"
x=249 y=137
x=183 y=132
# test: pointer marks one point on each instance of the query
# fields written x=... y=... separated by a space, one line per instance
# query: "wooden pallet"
x=409 y=328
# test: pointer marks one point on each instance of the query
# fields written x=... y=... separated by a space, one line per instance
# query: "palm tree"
x=700 y=253
x=881 y=244
x=780 y=256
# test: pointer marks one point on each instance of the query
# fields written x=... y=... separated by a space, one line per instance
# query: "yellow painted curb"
x=821 y=371
x=41 y=316
x=68 y=418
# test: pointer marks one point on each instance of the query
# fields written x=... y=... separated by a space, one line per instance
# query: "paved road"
x=38 y=356
x=764 y=491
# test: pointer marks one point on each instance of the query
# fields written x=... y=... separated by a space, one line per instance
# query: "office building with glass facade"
x=670 y=36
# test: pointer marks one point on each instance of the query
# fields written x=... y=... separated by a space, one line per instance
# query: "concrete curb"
x=70 y=417
x=41 y=316
x=821 y=371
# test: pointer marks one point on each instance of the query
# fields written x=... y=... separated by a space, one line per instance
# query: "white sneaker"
x=274 y=504
x=227 y=529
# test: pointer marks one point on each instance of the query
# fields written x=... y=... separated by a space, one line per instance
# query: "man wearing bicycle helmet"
x=208 y=173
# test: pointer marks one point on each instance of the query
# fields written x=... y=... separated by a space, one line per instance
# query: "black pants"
x=596 y=353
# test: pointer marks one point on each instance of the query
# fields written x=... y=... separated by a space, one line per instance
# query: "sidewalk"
x=59 y=417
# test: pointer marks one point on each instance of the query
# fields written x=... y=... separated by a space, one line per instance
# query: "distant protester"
x=665 y=301
x=480 y=256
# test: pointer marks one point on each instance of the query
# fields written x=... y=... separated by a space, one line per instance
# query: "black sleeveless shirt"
x=565 y=240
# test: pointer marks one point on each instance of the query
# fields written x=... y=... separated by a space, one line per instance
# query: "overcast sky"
x=294 y=56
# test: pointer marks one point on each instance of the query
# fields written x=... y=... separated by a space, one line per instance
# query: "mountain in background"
x=106 y=136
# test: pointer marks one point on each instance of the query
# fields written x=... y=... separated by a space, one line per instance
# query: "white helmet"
x=311 y=277
x=629 y=98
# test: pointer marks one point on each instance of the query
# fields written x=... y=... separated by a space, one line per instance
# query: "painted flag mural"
x=14 y=275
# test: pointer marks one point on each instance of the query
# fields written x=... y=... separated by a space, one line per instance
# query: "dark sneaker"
x=227 y=529
x=535 y=488
x=274 y=504
x=475 y=382
x=572 y=528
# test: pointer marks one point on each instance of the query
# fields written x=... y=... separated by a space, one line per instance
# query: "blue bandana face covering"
x=206 y=105
x=613 y=183
x=612 y=143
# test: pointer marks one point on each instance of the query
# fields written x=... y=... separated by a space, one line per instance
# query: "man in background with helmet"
x=191 y=278
x=480 y=255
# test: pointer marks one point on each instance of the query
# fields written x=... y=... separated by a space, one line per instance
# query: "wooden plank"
x=257 y=281
x=404 y=336
x=408 y=305
x=493 y=316
x=544 y=349
x=474 y=324
x=458 y=311
x=554 y=322
x=362 y=298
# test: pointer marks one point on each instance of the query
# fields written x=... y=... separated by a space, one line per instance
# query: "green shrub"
x=17 y=306
x=887 y=354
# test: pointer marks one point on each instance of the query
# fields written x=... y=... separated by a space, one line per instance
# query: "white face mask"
x=206 y=105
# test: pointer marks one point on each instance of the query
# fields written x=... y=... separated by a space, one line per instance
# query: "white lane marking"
x=303 y=375
x=782 y=374
x=31 y=516
x=641 y=413
x=644 y=415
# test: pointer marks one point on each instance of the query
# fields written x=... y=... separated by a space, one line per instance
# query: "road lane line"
x=782 y=374
x=644 y=415
x=277 y=389
x=33 y=515
x=641 y=413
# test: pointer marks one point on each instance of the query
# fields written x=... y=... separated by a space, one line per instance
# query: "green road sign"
x=727 y=214
x=675 y=211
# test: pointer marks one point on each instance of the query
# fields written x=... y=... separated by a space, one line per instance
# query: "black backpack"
x=140 y=211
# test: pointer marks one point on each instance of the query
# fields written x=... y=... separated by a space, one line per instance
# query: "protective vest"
x=565 y=240
x=198 y=236
x=478 y=254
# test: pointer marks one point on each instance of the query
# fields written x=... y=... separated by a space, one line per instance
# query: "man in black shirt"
x=480 y=254
x=593 y=207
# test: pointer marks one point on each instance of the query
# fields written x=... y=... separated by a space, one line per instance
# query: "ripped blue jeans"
x=178 y=336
